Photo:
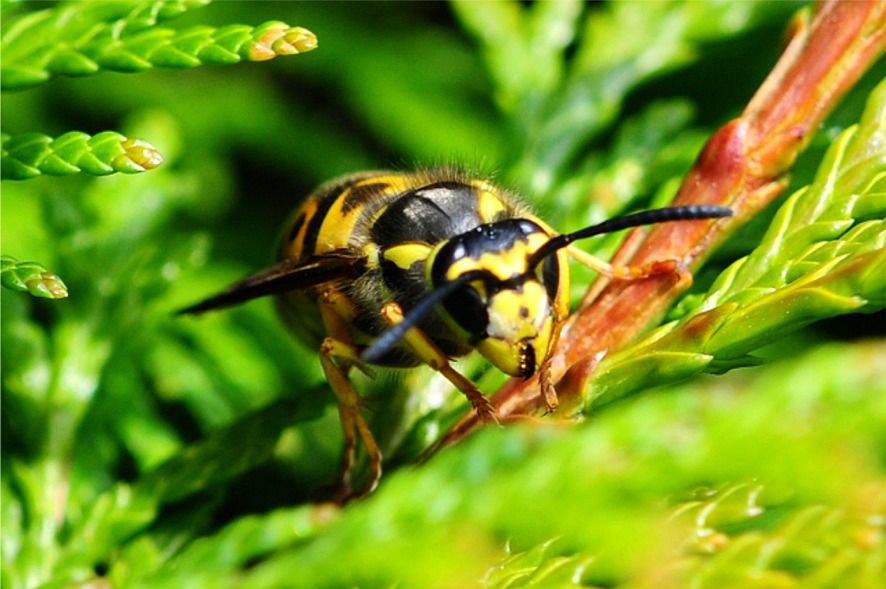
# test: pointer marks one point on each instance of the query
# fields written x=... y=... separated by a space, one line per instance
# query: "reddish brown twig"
x=743 y=166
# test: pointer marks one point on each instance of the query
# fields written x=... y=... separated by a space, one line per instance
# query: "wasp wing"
x=287 y=274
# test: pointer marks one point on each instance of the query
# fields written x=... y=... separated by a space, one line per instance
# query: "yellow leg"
x=544 y=370
x=627 y=272
x=352 y=421
x=337 y=355
x=422 y=346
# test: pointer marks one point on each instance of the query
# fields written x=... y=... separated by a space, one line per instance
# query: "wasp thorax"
x=507 y=311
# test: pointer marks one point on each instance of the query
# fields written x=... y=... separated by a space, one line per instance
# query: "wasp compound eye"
x=467 y=307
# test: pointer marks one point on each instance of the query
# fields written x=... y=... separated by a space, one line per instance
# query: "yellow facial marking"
x=503 y=264
x=516 y=315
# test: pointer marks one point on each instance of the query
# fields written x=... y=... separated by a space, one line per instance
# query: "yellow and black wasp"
x=401 y=269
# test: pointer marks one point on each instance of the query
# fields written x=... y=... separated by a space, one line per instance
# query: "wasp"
x=399 y=269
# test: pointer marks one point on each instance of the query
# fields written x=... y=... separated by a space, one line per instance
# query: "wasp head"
x=505 y=304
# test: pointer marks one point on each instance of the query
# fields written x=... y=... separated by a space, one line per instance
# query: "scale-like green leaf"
x=221 y=457
x=31 y=277
x=31 y=154
x=216 y=560
x=80 y=38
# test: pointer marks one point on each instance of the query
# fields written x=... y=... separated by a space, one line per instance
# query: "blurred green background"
x=130 y=435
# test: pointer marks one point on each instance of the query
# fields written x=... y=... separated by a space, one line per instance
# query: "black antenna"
x=681 y=213
x=392 y=337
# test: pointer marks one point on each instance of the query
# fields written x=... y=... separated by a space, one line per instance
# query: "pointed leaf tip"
x=47 y=285
x=33 y=278
x=277 y=38
x=140 y=153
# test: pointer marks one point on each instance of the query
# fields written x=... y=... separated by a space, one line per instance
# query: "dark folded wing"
x=285 y=275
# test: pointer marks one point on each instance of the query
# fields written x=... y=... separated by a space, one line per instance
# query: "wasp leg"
x=422 y=346
x=352 y=421
x=545 y=380
x=337 y=355
x=646 y=270
x=338 y=313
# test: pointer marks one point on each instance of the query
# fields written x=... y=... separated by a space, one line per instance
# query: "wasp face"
x=507 y=312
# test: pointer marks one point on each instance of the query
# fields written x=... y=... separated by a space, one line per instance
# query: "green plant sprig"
x=32 y=278
x=774 y=515
x=80 y=39
x=824 y=255
x=33 y=154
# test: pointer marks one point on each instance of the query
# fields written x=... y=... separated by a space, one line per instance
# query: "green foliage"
x=80 y=39
x=824 y=255
x=560 y=105
x=31 y=154
x=534 y=506
x=31 y=277
x=145 y=450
